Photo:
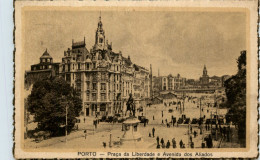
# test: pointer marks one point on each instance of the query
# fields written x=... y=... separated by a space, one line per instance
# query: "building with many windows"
x=168 y=83
x=103 y=78
x=45 y=69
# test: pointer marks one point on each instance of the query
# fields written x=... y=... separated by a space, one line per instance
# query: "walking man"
x=162 y=142
x=173 y=143
x=85 y=132
x=153 y=130
x=157 y=139
x=168 y=144
x=181 y=144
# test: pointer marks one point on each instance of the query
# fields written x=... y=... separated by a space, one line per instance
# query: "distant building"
x=45 y=69
x=168 y=83
x=190 y=82
x=204 y=80
x=215 y=81
x=141 y=85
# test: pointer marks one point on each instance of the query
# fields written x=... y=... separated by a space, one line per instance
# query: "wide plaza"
x=157 y=114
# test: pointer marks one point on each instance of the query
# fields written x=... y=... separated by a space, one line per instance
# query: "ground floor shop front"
x=94 y=109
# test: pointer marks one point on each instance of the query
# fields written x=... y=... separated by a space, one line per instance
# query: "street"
x=95 y=138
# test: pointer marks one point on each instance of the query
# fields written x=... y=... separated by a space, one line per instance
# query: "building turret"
x=100 y=36
x=45 y=57
x=205 y=73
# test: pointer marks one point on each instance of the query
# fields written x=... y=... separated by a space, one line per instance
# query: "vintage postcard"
x=136 y=79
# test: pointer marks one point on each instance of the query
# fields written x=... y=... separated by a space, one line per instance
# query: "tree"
x=236 y=96
x=47 y=102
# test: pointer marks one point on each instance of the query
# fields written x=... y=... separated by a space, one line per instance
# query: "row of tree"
x=236 y=97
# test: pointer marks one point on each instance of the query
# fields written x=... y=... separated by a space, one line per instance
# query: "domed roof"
x=46 y=54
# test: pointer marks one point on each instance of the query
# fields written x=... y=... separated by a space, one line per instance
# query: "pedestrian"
x=96 y=124
x=168 y=144
x=157 y=139
x=153 y=117
x=153 y=130
x=192 y=145
x=104 y=144
x=173 y=143
x=181 y=144
x=84 y=119
x=85 y=133
x=165 y=120
x=195 y=134
x=162 y=141
x=149 y=134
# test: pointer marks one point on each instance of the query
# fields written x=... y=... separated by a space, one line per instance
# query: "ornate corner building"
x=103 y=77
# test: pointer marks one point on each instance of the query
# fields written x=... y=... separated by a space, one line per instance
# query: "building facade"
x=103 y=78
x=44 y=69
x=168 y=83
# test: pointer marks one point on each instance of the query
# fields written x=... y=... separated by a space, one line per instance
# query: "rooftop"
x=46 y=54
x=78 y=44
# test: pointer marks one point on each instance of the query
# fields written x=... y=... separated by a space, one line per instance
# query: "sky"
x=172 y=41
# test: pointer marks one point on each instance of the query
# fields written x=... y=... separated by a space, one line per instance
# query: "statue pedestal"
x=130 y=129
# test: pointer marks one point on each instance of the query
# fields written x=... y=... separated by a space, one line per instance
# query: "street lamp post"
x=65 y=103
x=183 y=100
x=216 y=115
x=66 y=131
x=201 y=122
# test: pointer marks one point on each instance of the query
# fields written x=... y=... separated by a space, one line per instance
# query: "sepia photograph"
x=135 y=79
